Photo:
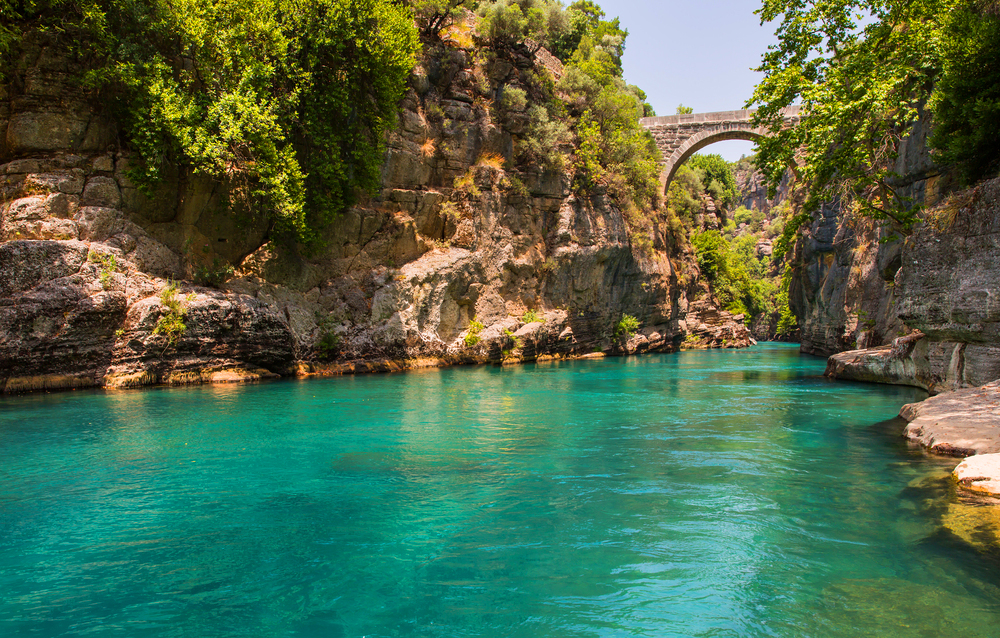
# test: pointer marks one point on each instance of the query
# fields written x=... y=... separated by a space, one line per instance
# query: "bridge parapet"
x=718 y=117
x=680 y=136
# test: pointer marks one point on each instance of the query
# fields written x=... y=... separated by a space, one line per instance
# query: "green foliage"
x=546 y=134
x=966 y=98
x=788 y=234
x=586 y=19
x=862 y=89
x=214 y=274
x=508 y=344
x=684 y=110
x=472 y=337
x=684 y=194
x=285 y=103
x=742 y=215
x=788 y=323
x=328 y=346
x=508 y=23
x=738 y=277
x=719 y=179
x=108 y=267
x=626 y=327
x=434 y=16
x=171 y=324
x=613 y=150
x=532 y=316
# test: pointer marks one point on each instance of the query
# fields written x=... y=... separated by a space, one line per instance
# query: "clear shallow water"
x=731 y=493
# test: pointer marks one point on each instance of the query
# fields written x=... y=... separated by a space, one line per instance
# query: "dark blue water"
x=732 y=493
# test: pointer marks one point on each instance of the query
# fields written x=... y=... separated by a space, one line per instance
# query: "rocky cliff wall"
x=947 y=290
x=844 y=288
x=918 y=309
x=86 y=259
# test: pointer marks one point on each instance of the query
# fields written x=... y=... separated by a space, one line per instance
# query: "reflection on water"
x=728 y=493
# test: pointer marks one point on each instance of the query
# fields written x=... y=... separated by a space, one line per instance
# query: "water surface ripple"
x=733 y=493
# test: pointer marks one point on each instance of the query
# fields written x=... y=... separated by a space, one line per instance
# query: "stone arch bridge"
x=681 y=136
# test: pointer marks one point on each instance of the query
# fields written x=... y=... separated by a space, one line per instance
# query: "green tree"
x=966 y=98
x=861 y=90
x=614 y=150
x=434 y=16
x=684 y=110
x=719 y=171
x=285 y=104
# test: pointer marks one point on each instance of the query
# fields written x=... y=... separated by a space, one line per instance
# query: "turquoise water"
x=732 y=493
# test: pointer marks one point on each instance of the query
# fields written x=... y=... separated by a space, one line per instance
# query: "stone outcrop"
x=962 y=423
x=709 y=327
x=959 y=423
x=459 y=231
x=753 y=189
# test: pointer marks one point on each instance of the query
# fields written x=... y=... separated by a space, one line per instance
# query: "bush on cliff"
x=966 y=100
x=286 y=103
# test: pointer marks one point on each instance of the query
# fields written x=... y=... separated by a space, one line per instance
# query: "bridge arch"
x=681 y=136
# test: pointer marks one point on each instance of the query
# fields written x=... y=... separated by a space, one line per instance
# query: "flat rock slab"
x=980 y=473
x=960 y=423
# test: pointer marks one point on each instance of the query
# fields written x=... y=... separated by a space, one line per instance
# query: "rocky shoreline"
x=962 y=423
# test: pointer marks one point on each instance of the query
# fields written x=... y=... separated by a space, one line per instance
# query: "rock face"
x=980 y=474
x=455 y=234
x=947 y=287
x=753 y=189
x=960 y=423
x=844 y=288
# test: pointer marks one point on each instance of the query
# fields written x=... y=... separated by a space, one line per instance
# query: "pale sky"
x=698 y=53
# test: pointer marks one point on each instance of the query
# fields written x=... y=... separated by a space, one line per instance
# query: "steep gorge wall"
x=85 y=256
x=919 y=309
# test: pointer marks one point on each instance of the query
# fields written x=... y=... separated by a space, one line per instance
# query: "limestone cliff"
x=919 y=309
x=459 y=231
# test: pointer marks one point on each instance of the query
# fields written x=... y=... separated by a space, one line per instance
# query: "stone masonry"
x=681 y=136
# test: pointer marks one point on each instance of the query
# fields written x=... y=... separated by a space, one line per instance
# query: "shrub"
x=472 y=337
x=545 y=135
x=491 y=160
x=719 y=177
x=514 y=99
x=532 y=316
x=214 y=274
x=108 y=267
x=171 y=325
x=434 y=16
x=287 y=109
x=627 y=326
x=742 y=215
x=328 y=346
x=509 y=343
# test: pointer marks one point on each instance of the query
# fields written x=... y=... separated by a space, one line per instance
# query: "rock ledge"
x=960 y=423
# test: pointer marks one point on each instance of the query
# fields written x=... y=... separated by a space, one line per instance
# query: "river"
x=720 y=493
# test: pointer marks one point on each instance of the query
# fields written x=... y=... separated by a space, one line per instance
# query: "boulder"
x=980 y=473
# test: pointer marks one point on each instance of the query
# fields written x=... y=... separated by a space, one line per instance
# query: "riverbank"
x=725 y=332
